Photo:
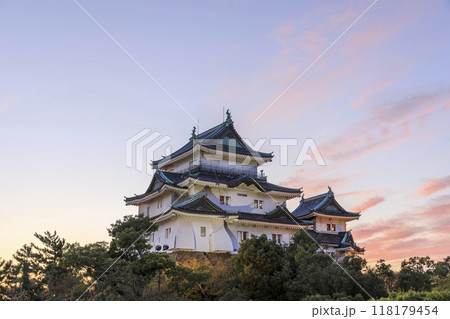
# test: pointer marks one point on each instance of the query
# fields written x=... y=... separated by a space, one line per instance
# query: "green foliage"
x=125 y=269
x=335 y=297
x=313 y=273
x=234 y=295
x=259 y=266
x=412 y=295
x=27 y=275
x=385 y=272
x=416 y=274
x=88 y=261
x=189 y=283
x=442 y=268
x=56 y=277
x=443 y=284
x=129 y=236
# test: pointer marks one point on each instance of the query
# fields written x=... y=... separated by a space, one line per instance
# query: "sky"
x=376 y=103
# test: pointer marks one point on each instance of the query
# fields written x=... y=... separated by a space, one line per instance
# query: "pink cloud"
x=404 y=110
x=368 y=203
x=435 y=185
x=384 y=126
x=285 y=28
x=415 y=233
x=308 y=38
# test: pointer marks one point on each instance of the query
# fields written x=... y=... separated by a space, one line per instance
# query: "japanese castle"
x=208 y=197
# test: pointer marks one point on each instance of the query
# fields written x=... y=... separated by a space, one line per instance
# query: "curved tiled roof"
x=224 y=131
x=341 y=239
x=280 y=215
x=162 y=178
x=325 y=204
x=200 y=204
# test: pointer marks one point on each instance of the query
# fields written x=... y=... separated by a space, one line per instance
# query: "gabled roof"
x=323 y=204
x=261 y=185
x=162 y=178
x=224 y=132
x=279 y=215
x=340 y=240
x=200 y=204
x=235 y=180
x=172 y=179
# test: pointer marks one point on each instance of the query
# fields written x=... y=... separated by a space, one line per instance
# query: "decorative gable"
x=199 y=203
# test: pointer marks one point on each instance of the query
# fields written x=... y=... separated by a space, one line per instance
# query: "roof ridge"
x=212 y=129
x=314 y=197
x=226 y=126
x=167 y=179
x=323 y=202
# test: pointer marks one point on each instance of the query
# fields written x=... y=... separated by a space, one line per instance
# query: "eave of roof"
x=231 y=182
x=316 y=205
x=198 y=200
x=216 y=132
x=341 y=240
x=259 y=218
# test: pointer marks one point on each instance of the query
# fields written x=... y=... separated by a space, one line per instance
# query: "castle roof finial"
x=228 y=120
x=330 y=191
x=193 y=133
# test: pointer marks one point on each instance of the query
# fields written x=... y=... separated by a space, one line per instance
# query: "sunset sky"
x=377 y=105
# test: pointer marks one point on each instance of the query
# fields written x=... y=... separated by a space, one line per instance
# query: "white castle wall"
x=220 y=236
x=150 y=208
x=321 y=224
x=242 y=203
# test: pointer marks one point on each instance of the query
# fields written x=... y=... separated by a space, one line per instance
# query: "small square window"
x=242 y=235
x=328 y=227
x=277 y=238
x=258 y=204
x=168 y=231
x=203 y=231
x=333 y=227
x=225 y=200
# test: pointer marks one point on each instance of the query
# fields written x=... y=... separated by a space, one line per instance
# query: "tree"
x=315 y=275
x=27 y=273
x=130 y=236
x=259 y=267
x=189 y=283
x=385 y=272
x=56 y=277
x=442 y=268
x=416 y=274
x=310 y=271
x=6 y=278
x=120 y=270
